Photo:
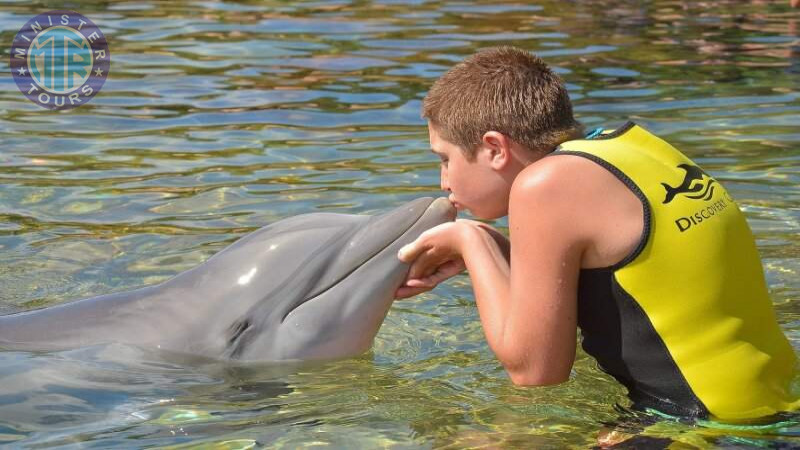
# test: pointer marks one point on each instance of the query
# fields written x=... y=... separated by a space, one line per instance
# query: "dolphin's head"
x=319 y=285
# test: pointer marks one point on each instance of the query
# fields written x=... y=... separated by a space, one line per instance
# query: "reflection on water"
x=220 y=117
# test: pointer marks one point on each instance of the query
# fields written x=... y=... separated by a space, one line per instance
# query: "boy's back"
x=672 y=319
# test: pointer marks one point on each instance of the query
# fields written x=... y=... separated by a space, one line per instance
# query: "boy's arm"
x=502 y=241
x=417 y=284
x=528 y=308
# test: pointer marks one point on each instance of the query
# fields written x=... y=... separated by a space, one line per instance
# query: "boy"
x=618 y=234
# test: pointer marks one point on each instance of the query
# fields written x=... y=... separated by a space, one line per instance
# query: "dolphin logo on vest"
x=692 y=184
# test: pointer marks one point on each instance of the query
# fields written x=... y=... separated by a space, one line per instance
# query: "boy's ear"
x=497 y=148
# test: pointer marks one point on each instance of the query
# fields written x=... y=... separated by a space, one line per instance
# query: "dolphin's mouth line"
x=244 y=329
x=357 y=266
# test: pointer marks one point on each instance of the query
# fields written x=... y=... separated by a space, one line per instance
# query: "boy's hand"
x=435 y=256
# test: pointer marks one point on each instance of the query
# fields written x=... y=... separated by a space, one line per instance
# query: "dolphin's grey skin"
x=313 y=286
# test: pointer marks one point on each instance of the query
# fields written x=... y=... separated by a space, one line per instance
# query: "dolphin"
x=312 y=286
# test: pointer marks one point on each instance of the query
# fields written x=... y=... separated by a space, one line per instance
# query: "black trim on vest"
x=646 y=213
x=613 y=323
x=619 y=131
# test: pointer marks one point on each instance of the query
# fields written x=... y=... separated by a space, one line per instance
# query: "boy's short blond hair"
x=503 y=89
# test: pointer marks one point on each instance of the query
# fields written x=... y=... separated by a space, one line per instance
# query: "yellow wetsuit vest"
x=685 y=322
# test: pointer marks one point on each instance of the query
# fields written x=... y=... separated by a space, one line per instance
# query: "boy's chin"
x=486 y=215
x=481 y=215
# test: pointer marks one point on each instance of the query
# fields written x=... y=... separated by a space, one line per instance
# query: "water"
x=220 y=117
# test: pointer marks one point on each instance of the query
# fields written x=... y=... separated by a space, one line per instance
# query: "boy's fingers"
x=416 y=285
x=417 y=282
x=424 y=265
x=442 y=274
x=405 y=291
x=437 y=277
x=409 y=252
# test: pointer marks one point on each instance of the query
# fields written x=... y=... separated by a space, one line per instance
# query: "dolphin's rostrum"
x=313 y=286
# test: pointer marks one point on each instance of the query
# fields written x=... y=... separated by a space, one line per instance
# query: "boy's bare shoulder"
x=563 y=174
x=584 y=202
x=555 y=189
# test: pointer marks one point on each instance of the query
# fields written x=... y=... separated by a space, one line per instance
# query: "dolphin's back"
x=91 y=321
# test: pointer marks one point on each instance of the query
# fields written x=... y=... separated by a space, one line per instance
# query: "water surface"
x=220 y=117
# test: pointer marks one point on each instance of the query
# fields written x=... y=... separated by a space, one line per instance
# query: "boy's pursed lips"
x=455 y=204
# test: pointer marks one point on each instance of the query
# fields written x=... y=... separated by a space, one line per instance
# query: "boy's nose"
x=443 y=180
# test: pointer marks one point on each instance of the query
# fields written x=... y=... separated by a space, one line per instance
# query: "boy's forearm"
x=502 y=242
x=489 y=270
